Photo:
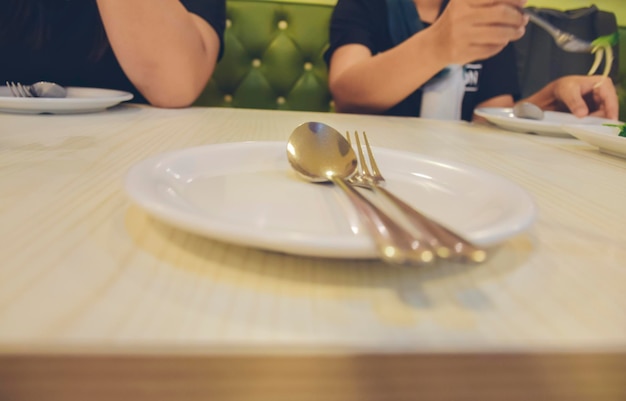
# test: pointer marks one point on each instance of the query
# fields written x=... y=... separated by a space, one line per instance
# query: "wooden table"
x=99 y=301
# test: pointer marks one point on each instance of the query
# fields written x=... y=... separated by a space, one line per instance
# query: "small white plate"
x=78 y=100
x=607 y=139
x=552 y=123
x=246 y=193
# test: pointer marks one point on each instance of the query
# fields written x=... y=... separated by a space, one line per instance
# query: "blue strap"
x=404 y=21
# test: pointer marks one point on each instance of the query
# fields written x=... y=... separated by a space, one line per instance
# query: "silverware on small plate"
x=38 y=89
x=528 y=111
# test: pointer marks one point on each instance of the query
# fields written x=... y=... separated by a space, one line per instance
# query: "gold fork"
x=445 y=242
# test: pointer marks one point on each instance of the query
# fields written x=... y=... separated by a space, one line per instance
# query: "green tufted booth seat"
x=273 y=57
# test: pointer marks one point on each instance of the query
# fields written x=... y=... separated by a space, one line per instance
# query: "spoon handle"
x=395 y=244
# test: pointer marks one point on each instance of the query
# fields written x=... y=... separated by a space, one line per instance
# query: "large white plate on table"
x=78 y=100
x=606 y=139
x=246 y=193
x=551 y=124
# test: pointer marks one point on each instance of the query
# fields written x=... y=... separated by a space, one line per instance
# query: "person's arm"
x=580 y=94
x=467 y=30
x=362 y=83
x=577 y=94
x=167 y=52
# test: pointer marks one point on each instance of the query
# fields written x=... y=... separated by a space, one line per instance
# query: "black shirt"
x=365 y=22
x=67 y=57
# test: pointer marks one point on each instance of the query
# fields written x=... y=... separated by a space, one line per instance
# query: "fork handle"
x=395 y=244
x=548 y=27
x=453 y=243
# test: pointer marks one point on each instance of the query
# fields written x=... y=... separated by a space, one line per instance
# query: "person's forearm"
x=166 y=52
x=380 y=82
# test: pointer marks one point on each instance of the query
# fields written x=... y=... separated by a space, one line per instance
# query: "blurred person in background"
x=162 y=51
x=442 y=59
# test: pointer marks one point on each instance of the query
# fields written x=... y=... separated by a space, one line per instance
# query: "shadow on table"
x=260 y=270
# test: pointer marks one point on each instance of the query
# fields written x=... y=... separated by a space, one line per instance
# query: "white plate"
x=552 y=123
x=246 y=193
x=607 y=139
x=78 y=100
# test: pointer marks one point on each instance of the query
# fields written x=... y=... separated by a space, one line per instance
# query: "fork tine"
x=365 y=168
x=11 y=89
x=23 y=90
x=16 y=89
x=361 y=160
x=370 y=155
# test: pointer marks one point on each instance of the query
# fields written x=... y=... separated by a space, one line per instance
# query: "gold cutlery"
x=319 y=153
x=445 y=242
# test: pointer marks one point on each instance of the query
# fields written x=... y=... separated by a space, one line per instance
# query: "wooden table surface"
x=100 y=301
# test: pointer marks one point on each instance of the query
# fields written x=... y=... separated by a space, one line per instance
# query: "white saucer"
x=78 y=100
x=552 y=123
x=246 y=193
x=607 y=139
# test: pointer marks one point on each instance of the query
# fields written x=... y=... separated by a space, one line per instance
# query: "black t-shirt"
x=67 y=57
x=365 y=22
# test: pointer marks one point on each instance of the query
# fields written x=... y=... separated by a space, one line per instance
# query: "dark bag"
x=540 y=60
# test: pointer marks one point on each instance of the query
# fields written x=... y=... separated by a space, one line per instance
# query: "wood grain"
x=468 y=377
x=87 y=278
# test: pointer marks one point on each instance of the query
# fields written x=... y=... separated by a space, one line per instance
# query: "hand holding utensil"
x=445 y=242
x=320 y=153
x=601 y=46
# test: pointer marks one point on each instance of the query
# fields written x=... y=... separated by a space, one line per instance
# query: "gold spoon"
x=319 y=153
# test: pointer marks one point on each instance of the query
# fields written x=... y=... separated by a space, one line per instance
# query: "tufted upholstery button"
x=258 y=30
x=228 y=23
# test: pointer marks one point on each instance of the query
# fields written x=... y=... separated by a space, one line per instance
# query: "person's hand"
x=470 y=30
x=584 y=95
